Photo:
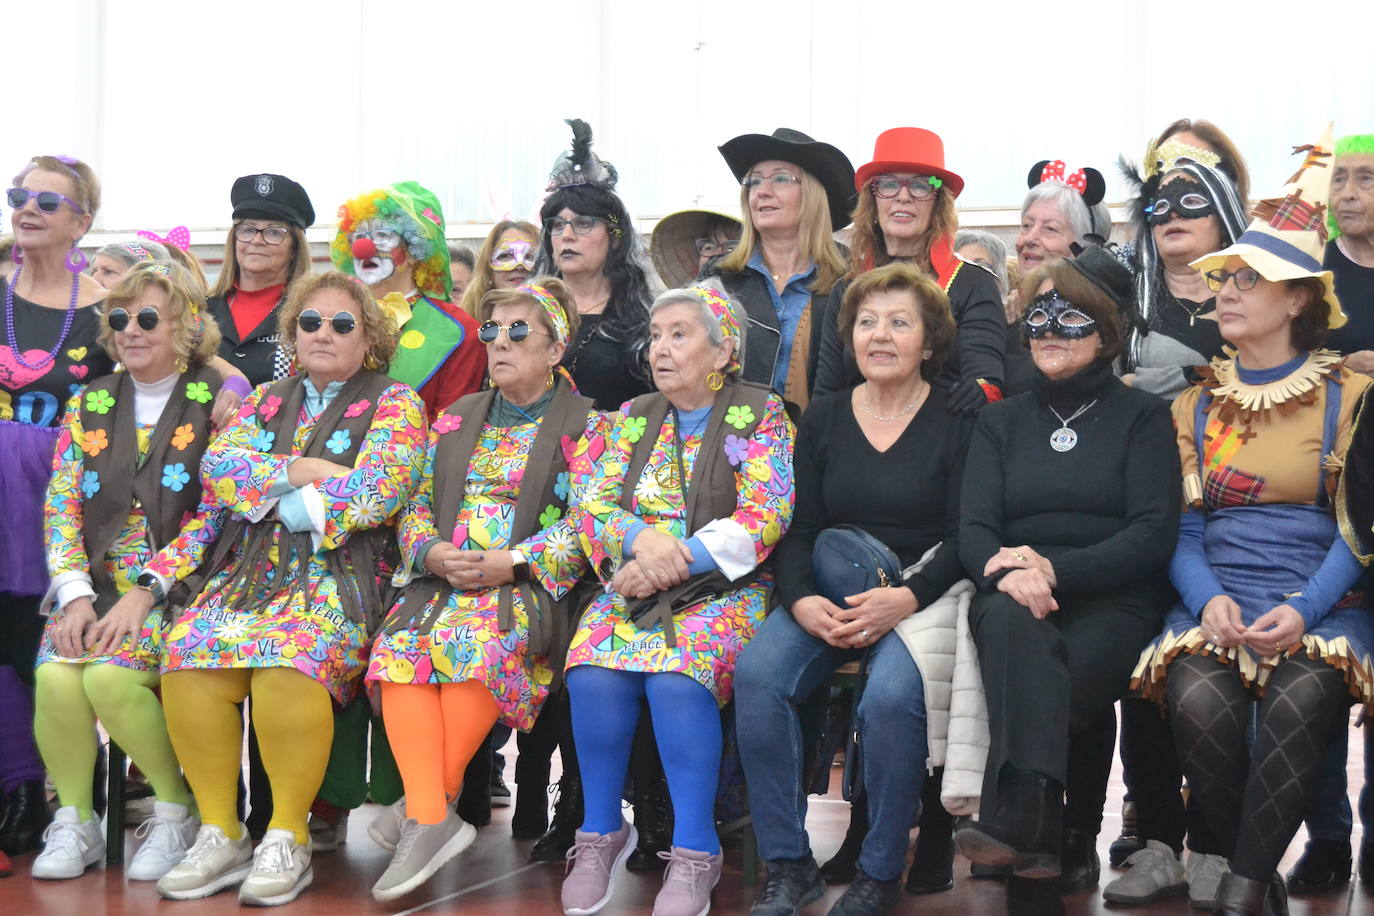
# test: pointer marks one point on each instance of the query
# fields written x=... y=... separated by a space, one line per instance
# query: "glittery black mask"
x=1050 y=313
x=1187 y=199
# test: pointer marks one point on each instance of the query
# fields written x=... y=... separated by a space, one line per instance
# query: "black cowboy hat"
x=826 y=164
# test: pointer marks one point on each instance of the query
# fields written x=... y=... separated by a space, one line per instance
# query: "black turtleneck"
x=1104 y=513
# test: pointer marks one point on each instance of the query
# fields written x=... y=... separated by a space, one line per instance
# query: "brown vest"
x=244 y=548
x=549 y=624
x=126 y=480
x=711 y=492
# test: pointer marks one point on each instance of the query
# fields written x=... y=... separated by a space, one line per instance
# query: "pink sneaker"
x=687 y=882
x=593 y=863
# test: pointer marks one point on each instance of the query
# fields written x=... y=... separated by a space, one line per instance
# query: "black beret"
x=267 y=196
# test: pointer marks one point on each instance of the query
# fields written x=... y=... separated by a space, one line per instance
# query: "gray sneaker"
x=1204 y=877
x=687 y=882
x=281 y=870
x=385 y=828
x=1154 y=872
x=213 y=863
x=422 y=851
x=326 y=835
x=593 y=863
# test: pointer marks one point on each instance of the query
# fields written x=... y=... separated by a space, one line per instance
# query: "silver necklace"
x=1064 y=439
x=901 y=413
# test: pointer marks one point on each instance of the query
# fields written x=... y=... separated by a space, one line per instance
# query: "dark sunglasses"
x=310 y=321
x=47 y=201
x=118 y=319
x=517 y=331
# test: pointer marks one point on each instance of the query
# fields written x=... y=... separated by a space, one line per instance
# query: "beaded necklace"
x=51 y=355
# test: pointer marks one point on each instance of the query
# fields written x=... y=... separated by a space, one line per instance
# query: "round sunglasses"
x=147 y=318
x=311 y=321
x=517 y=331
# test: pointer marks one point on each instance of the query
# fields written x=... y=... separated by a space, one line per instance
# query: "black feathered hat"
x=579 y=165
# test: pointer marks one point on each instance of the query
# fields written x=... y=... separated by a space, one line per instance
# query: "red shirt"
x=462 y=372
x=251 y=309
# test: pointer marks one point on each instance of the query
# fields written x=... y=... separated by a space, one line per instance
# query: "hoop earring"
x=76 y=260
x=714 y=380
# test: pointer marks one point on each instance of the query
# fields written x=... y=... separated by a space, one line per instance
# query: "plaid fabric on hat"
x=1296 y=214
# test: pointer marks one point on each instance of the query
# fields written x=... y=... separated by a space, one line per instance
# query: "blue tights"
x=605 y=711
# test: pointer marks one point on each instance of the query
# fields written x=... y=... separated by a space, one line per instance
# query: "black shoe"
x=1239 y=896
x=788 y=885
x=1324 y=864
x=1024 y=832
x=843 y=866
x=932 y=868
x=1367 y=862
x=653 y=822
x=553 y=846
x=1033 y=897
x=500 y=792
x=1129 y=843
x=1079 y=866
x=531 y=816
x=989 y=872
x=26 y=817
x=867 y=896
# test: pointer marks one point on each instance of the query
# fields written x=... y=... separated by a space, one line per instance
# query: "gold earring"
x=714 y=380
x=370 y=362
x=181 y=366
x=548 y=382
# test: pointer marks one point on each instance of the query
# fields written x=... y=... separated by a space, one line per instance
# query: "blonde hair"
x=499 y=297
x=299 y=267
x=483 y=277
x=815 y=241
x=81 y=174
x=190 y=262
x=379 y=329
x=195 y=339
x=868 y=248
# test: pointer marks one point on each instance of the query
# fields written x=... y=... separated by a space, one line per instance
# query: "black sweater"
x=1105 y=513
x=907 y=497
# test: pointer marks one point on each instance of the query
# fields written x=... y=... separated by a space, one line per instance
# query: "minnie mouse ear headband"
x=824 y=162
x=579 y=165
x=1088 y=182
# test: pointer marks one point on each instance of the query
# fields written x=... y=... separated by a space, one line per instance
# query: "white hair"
x=1071 y=206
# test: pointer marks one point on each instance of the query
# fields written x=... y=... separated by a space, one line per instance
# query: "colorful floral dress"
x=710 y=636
x=71 y=484
x=465 y=643
x=277 y=629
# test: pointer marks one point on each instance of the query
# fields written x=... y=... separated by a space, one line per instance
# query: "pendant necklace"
x=1192 y=313
x=1064 y=439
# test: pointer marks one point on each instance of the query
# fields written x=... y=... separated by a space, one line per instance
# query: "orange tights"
x=434 y=731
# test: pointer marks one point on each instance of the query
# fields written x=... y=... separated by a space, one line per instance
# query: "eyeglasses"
x=778 y=181
x=47 y=201
x=582 y=225
x=709 y=248
x=147 y=319
x=1050 y=313
x=272 y=235
x=310 y=321
x=517 y=330
x=889 y=186
x=385 y=239
x=1246 y=278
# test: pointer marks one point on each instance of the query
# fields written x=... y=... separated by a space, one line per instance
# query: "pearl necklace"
x=863 y=395
x=51 y=355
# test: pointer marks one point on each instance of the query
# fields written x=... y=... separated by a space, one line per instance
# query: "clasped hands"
x=867 y=619
x=1031 y=581
x=660 y=562
x=78 y=633
x=470 y=570
x=1271 y=633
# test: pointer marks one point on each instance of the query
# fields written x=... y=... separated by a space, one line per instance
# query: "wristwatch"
x=520 y=567
x=149 y=583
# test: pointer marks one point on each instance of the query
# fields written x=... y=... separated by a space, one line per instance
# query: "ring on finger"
x=1018 y=556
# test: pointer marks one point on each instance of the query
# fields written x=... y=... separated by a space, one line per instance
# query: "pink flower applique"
x=269 y=407
x=448 y=423
x=356 y=409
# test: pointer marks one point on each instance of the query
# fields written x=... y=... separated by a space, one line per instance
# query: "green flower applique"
x=634 y=429
x=199 y=392
x=739 y=416
x=99 y=401
x=550 y=515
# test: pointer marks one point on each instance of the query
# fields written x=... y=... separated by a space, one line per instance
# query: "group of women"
x=641 y=512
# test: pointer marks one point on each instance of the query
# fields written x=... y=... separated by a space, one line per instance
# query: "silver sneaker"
x=213 y=863
x=281 y=870
x=1154 y=872
x=422 y=851
x=687 y=882
x=166 y=835
x=385 y=828
x=1204 y=877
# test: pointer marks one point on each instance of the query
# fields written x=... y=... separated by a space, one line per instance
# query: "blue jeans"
x=1330 y=817
x=777 y=670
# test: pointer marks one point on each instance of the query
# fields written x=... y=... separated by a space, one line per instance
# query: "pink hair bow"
x=180 y=237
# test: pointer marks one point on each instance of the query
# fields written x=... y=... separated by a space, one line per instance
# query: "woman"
x=589 y=242
x=694 y=491
x=301 y=485
x=504 y=261
x=895 y=435
x=51 y=327
x=119 y=488
x=794 y=193
x=116 y=259
x=906 y=212
x=683 y=243
x=471 y=642
x=1069 y=517
x=1261 y=566
x=987 y=251
x=265 y=253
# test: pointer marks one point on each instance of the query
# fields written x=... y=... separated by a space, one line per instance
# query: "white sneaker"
x=1204 y=878
x=70 y=846
x=170 y=832
x=213 y=863
x=385 y=828
x=281 y=870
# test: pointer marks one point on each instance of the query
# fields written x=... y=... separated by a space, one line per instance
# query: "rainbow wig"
x=413 y=212
x=1353 y=145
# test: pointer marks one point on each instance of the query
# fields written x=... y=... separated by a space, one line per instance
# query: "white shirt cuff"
x=66 y=588
x=730 y=546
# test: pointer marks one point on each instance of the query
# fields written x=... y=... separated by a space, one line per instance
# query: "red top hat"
x=909 y=149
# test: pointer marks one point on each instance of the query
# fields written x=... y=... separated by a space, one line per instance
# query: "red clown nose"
x=363 y=248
